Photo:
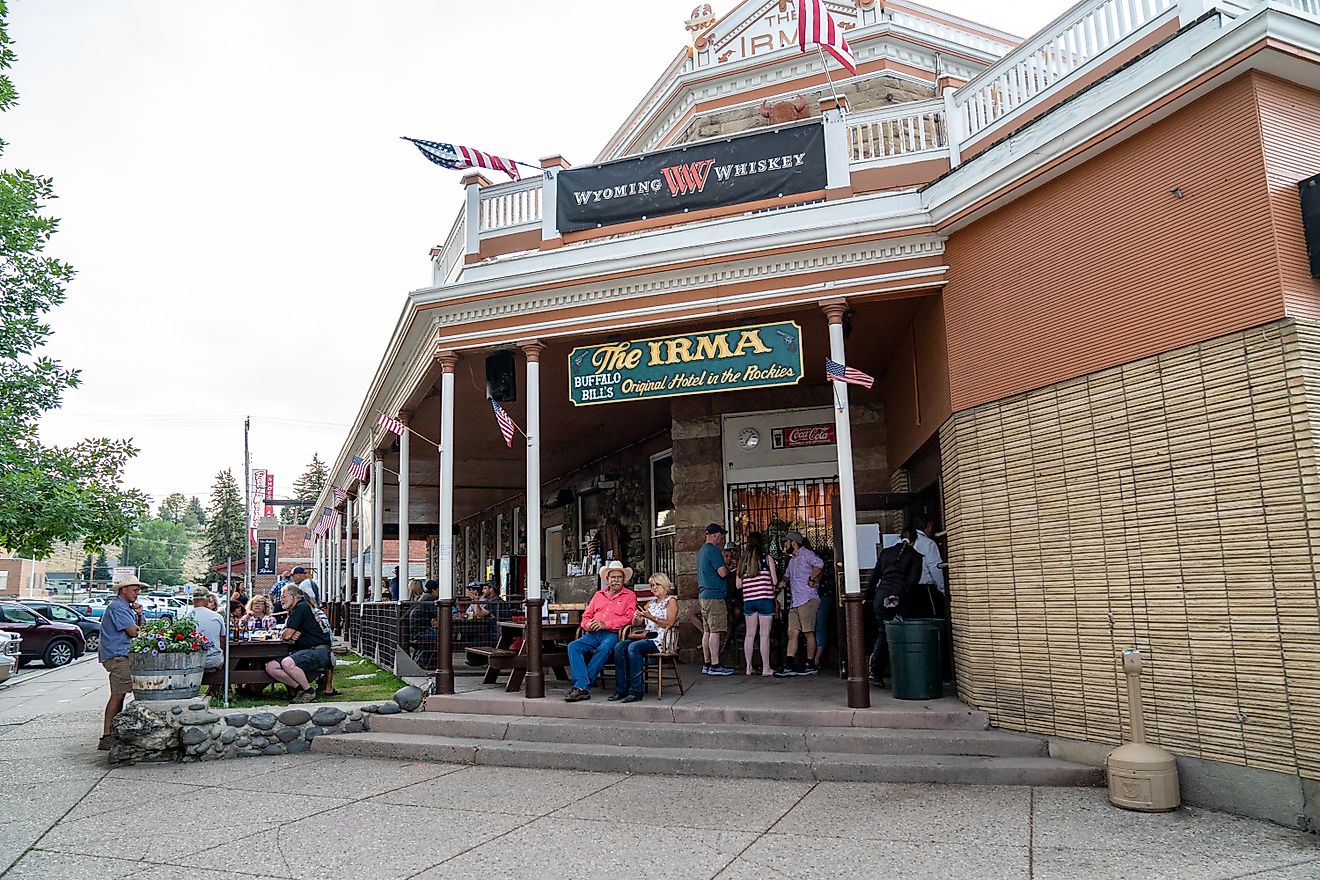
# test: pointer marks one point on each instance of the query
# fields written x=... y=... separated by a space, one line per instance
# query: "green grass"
x=374 y=686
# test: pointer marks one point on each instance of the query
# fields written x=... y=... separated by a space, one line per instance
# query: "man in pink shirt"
x=608 y=612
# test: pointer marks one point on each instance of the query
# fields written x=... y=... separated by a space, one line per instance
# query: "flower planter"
x=166 y=676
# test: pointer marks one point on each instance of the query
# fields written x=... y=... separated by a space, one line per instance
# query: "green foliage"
x=357 y=678
x=102 y=572
x=194 y=517
x=168 y=637
x=307 y=487
x=158 y=548
x=172 y=508
x=226 y=527
x=47 y=493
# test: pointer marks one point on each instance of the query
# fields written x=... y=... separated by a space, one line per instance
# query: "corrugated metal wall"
x=1106 y=264
x=1290 y=129
x=1169 y=504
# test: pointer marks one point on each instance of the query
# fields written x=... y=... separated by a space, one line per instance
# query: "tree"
x=307 y=487
x=86 y=571
x=47 y=493
x=172 y=508
x=226 y=527
x=102 y=573
x=194 y=517
x=158 y=548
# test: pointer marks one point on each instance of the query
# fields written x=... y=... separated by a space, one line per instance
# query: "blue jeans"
x=587 y=656
x=823 y=622
x=630 y=665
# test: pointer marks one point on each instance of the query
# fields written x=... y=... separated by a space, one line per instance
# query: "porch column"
x=360 y=588
x=444 y=666
x=535 y=681
x=859 y=688
x=346 y=552
x=404 y=512
x=377 y=524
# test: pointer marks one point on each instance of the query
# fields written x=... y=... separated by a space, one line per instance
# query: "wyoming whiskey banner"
x=710 y=174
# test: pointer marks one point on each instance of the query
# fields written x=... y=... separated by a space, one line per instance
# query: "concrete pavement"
x=68 y=815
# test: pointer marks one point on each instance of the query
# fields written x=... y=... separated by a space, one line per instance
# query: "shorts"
x=121 y=680
x=803 y=617
x=758 y=606
x=714 y=615
x=312 y=659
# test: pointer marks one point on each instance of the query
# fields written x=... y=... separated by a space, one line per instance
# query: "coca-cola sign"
x=802 y=435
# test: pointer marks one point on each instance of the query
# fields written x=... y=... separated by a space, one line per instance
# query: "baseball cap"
x=299 y=570
x=200 y=592
x=795 y=537
x=716 y=529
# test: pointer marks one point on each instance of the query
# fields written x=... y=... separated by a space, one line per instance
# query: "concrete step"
x=945 y=714
x=819 y=766
x=734 y=737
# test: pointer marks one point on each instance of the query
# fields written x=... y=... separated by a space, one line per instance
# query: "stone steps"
x=736 y=737
x=946 y=714
x=913 y=767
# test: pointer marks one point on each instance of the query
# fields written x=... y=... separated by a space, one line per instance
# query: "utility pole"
x=247 y=494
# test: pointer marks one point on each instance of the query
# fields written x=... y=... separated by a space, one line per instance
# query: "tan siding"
x=1170 y=504
x=1290 y=129
x=1105 y=265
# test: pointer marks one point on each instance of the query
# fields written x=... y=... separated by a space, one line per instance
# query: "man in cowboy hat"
x=609 y=611
x=119 y=626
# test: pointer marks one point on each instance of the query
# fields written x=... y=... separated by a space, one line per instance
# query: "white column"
x=843 y=444
x=838 y=161
x=953 y=126
x=345 y=571
x=474 y=182
x=533 y=352
x=404 y=511
x=360 y=588
x=377 y=523
x=445 y=544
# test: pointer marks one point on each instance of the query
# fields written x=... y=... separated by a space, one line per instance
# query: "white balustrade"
x=1073 y=40
x=948 y=33
x=1311 y=7
x=451 y=254
x=898 y=132
x=506 y=205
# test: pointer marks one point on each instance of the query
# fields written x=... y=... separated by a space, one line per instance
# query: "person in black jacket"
x=895 y=586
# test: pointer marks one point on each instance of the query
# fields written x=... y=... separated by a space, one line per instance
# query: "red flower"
x=180 y=637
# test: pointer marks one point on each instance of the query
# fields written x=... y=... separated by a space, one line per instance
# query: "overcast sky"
x=243 y=218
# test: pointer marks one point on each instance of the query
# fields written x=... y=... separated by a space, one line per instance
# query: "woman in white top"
x=756 y=580
x=658 y=616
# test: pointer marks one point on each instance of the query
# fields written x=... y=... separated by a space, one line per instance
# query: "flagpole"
x=826 y=66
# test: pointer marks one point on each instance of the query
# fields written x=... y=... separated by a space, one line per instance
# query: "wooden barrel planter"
x=166 y=676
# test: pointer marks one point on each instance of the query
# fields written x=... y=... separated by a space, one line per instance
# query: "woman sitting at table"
x=658 y=616
x=258 y=615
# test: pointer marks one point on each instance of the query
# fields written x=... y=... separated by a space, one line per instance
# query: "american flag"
x=837 y=372
x=307 y=540
x=340 y=495
x=460 y=157
x=507 y=427
x=358 y=469
x=390 y=424
x=816 y=27
x=326 y=521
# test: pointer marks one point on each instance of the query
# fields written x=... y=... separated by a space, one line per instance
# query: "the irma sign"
x=709 y=174
x=695 y=363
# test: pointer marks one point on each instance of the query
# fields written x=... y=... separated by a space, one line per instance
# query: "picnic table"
x=247 y=662
x=510 y=652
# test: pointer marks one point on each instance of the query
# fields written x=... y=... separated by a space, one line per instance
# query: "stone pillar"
x=859 y=688
x=444 y=667
x=535 y=681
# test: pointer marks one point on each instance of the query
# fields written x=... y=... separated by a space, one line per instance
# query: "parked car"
x=9 y=645
x=95 y=606
x=59 y=612
x=153 y=608
x=54 y=644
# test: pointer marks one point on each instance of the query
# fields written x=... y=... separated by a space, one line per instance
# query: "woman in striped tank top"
x=757 y=579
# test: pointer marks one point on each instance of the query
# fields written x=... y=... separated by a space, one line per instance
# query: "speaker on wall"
x=501 y=378
x=1310 y=193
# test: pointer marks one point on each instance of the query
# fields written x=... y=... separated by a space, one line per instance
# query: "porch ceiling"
x=487 y=472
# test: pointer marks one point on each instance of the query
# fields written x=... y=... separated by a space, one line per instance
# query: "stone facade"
x=880 y=91
x=1171 y=505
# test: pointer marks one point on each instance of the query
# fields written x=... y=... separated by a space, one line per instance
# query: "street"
x=69 y=815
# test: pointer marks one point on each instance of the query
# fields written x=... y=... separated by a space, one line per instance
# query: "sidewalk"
x=311 y=816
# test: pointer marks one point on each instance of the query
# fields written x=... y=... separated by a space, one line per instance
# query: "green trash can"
x=914 y=658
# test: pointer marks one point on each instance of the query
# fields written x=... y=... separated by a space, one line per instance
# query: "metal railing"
x=381 y=631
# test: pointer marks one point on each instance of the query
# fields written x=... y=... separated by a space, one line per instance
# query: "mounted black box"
x=501 y=378
x=1310 y=193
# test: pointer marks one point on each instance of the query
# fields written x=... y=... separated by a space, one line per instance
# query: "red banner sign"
x=802 y=435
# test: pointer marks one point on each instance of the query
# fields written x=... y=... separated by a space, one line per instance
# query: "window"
x=16 y=614
x=58 y=613
x=662 y=493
